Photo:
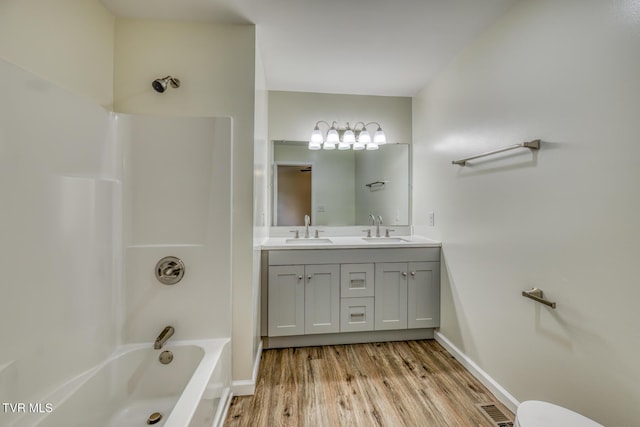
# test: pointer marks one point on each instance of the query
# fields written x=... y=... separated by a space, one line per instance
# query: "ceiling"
x=364 y=47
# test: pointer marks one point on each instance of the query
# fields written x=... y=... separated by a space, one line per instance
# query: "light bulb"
x=358 y=145
x=372 y=146
x=316 y=136
x=364 y=136
x=329 y=146
x=314 y=145
x=332 y=136
x=349 y=137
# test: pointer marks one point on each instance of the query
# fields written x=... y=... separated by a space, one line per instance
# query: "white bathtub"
x=192 y=390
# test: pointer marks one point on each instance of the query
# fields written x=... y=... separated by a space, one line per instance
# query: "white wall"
x=260 y=198
x=292 y=115
x=216 y=65
x=563 y=219
x=177 y=202
x=67 y=42
x=60 y=228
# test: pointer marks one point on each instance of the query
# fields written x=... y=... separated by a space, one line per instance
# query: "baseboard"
x=248 y=387
x=498 y=391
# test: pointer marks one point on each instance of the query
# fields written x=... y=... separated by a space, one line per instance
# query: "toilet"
x=534 y=413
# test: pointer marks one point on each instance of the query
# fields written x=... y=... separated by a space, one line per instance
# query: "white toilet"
x=534 y=413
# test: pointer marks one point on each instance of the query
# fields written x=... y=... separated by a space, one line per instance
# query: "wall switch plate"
x=431 y=219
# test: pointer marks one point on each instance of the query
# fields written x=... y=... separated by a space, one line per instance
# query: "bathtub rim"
x=186 y=404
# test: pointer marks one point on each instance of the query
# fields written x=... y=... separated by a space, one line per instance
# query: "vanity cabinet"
x=335 y=296
x=407 y=295
x=304 y=299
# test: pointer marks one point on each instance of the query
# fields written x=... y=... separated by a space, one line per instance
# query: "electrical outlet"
x=431 y=219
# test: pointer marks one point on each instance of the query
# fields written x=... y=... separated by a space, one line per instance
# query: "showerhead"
x=160 y=85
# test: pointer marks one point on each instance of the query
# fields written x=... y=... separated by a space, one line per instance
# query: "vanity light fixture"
x=352 y=138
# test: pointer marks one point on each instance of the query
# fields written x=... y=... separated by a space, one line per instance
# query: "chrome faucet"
x=378 y=224
x=166 y=333
x=307 y=220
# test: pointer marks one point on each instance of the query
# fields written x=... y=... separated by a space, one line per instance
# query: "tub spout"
x=163 y=337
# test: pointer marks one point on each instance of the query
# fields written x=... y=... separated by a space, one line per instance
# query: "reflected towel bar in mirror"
x=375 y=183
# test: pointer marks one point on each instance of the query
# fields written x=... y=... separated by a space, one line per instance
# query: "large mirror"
x=340 y=187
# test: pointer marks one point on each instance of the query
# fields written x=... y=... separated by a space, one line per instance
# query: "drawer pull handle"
x=357 y=315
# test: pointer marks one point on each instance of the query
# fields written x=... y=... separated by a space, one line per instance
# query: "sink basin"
x=384 y=239
x=310 y=241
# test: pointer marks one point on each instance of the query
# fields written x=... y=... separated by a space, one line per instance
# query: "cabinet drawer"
x=356 y=280
x=356 y=314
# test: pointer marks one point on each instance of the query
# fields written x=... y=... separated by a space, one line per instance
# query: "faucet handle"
x=386 y=233
x=318 y=233
x=380 y=220
x=372 y=219
x=368 y=231
x=297 y=235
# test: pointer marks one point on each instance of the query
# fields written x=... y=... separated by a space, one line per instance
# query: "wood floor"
x=414 y=383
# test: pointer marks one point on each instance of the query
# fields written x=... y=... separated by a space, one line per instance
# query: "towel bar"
x=537 y=295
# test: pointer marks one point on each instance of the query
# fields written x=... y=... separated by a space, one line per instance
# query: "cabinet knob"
x=404 y=273
x=309 y=277
x=299 y=277
x=413 y=273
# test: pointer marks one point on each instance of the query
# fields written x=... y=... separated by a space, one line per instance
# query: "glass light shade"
x=372 y=146
x=358 y=145
x=344 y=145
x=316 y=136
x=329 y=146
x=364 y=136
x=349 y=137
x=380 y=138
x=333 y=137
x=314 y=145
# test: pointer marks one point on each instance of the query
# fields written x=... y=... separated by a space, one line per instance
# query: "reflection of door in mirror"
x=293 y=194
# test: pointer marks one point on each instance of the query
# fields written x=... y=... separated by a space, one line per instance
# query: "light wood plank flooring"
x=414 y=383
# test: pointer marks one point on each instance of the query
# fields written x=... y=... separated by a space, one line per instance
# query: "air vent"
x=495 y=415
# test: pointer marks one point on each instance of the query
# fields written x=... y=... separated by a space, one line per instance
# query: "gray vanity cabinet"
x=286 y=301
x=423 y=295
x=304 y=299
x=338 y=296
x=407 y=295
x=391 y=296
x=322 y=299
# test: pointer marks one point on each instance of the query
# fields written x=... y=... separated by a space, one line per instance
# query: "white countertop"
x=348 y=242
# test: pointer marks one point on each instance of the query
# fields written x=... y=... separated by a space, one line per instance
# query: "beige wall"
x=564 y=219
x=260 y=225
x=216 y=65
x=67 y=42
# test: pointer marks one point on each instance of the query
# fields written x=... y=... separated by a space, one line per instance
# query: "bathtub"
x=192 y=390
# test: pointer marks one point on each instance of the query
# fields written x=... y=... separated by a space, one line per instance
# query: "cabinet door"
x=391 y=296
x=356 y=280
x=322 y=299
x=286 y=300
x=424 y=295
